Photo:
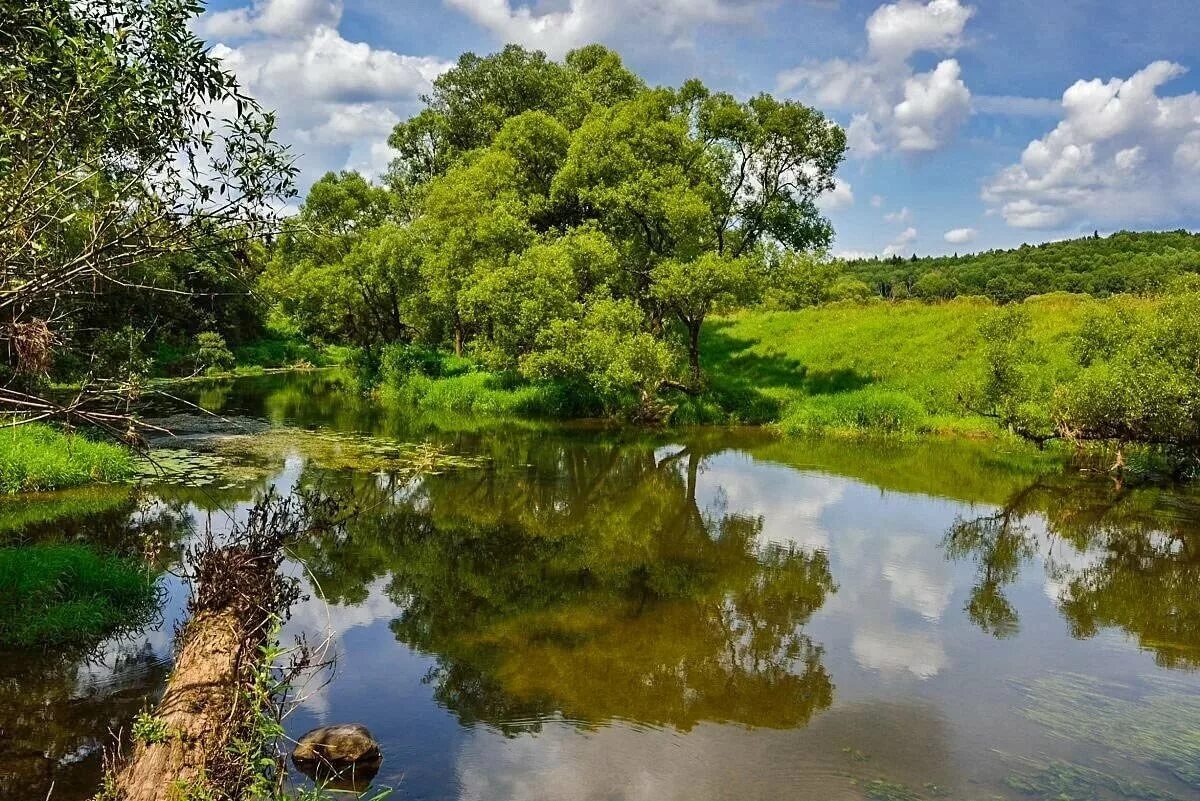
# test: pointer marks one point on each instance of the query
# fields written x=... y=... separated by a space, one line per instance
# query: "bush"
x=212 y=354
x=35 y=457
x=398 y=362
x=70 y=595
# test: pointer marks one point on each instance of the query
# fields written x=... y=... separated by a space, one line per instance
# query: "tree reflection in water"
x=1135 y=565
x=589 y=584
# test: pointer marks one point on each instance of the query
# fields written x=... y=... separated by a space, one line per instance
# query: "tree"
x=114 y=154
x=693 y=289
x=331 y=266
x=471 y=102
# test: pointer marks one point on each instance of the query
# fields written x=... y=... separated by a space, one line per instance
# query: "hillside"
x=880 y=366
x=1123 y=262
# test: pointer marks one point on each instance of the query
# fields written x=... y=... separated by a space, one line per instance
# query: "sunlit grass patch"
x=37 y=457
x=70 y=595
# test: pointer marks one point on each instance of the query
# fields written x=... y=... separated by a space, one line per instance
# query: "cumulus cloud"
x=893 y=106
x=961 y=236
x=902 y=244
x=270 y=17
x=336 y=100
x=577 y=22
x=877 y=201
x=838 y=198
x=904 y=216
x=1122 y=155
x=897 y=31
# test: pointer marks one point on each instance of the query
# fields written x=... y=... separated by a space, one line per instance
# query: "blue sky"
x=973 y=124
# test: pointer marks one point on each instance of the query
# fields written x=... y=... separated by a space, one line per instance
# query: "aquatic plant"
x=1157 y=722
x=1067 y=781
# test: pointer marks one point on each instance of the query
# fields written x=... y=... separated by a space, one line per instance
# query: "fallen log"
x=200 y=741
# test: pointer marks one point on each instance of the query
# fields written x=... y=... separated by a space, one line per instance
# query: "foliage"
x=70 y=595
x=35 y=457
x=536 y=207
x=212 y=354
x=608 y=351
x=1133 y=377
x=130 y=162
x=149 y=730
x=1125 y=262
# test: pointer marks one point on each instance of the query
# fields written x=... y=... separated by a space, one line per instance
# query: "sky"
x=972 y=125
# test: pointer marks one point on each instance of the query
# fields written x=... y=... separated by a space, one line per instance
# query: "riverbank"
x=844 y=369
x=36 y=458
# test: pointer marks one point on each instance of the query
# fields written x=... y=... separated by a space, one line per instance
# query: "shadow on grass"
x=738 y=379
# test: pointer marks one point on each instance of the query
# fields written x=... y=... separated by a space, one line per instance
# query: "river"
x=589 y=612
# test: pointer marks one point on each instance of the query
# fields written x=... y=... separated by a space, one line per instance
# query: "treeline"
x=1126 y=262
x=564 y=222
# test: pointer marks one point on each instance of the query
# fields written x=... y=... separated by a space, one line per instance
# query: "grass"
x=70 y=595
x=486 y=394
x=877 y=367
x=37 y=457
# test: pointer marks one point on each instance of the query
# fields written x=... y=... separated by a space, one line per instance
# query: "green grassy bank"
x=70 y=595
x=898 y=368
x=36 y=457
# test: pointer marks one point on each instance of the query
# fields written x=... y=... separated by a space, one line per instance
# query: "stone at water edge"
x=343 y=744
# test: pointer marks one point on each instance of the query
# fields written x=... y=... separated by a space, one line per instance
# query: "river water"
x=583 y=612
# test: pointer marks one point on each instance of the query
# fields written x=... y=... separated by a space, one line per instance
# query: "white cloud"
x=961 y=236
x=893 y=106
x=568 y=25
x=902 y=244
x=838 y=198
x=270 y=17
x=1122 y=155
x=935 y=104
x=877 y=201
x=336 y=100
x=897 y=31
x=904 y=216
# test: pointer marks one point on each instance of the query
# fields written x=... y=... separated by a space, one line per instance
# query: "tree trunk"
x=205 y=703
x=694 y=351
x=458 y=337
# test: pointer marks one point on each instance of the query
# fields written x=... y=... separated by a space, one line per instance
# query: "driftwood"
x=209 y=702
x=205 y=702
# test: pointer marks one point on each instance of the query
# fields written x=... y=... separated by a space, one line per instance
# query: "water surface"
x=592 y=613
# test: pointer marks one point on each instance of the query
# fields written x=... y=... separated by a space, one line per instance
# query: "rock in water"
x=342 y=745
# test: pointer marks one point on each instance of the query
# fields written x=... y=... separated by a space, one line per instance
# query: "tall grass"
x=70 y=595
x=36 y=457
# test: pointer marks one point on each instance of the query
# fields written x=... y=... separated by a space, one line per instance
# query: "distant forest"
x=1123 y=262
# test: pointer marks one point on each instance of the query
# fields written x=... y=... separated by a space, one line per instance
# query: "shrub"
x=70 y=595
x=212 y=354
